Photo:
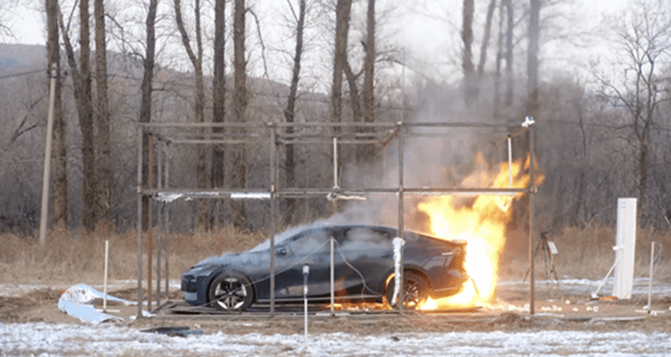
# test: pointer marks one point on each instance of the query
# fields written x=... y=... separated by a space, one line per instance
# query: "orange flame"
x=481 y=224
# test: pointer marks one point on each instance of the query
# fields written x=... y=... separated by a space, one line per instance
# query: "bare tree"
x=290 y=111
x=485 y=38
x=510 y=18
x=104 y=171
x=5 y=13
x=196 y=59
x=470 y=84
x=532 y=58
x=81 y=78
x=645 y=39
x=60 y=186
x=343 y=10
x=368 y=151
x=146 y=89
x=219 y=92
x=239 y=160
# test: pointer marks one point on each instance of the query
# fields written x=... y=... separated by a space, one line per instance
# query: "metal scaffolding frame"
x=274 y=134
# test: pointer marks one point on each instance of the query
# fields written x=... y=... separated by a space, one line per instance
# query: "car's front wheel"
x=415 y=291
x=231 y=292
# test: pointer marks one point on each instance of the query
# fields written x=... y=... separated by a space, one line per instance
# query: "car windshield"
x=281 y=238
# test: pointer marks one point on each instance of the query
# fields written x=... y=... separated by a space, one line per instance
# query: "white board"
x=625 y=248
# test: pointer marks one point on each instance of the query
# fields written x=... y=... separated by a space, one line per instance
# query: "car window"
x=310 y=241
x=361 y=238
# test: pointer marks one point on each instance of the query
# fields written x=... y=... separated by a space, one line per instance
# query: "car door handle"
x=447 y=253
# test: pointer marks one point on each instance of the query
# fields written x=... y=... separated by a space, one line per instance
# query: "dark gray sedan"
x=363 y=269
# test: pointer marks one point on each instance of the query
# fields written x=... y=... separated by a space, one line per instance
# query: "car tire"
x=415 y=290
x=231 y=292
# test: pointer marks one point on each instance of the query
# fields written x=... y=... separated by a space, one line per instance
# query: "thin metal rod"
x=332 y=241
x=167 y=227
x=107 y=250
x=226 y=193
x=159 y=223
x=532 y=168
x=326 y=141
x=652 y=264
x=335 y=162
x=518 y=132
x=150 y=222
x=46 y=177
x=401 y=210
x=510 y=161
x=139 y=223
x=273 y=214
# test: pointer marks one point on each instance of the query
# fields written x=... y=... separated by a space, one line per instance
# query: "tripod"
x=549 y=250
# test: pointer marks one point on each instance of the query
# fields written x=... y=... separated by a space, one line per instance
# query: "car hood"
x=239 y=260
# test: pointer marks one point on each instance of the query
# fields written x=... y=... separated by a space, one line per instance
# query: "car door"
x=368 y=257
x=309 y=247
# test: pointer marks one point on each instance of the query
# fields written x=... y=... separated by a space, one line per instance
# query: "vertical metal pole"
x=335 y=162
x=532 y=189
x=139 y=221
x=107 y=250
x=167 y=225
x=332 y=241
x=273 y=213
x=159 y=226
x=652 y=263
x=401 y=200
x=44 y=217
x=510 y=161
x=306 y=272
x=150 y=221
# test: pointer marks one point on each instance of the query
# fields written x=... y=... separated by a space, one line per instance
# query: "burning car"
x=363 y=269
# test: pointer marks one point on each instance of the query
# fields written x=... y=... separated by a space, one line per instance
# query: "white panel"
x=625 y=248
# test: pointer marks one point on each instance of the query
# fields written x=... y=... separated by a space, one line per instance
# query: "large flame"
x=481 y=223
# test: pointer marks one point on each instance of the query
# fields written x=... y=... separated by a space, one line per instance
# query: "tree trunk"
x=532 y=58
x=368 y=151
x=343 y=9
x=485 y=38
x=499 y=60
x=146 y=88
x=199 y=107
x=470 y=85
x=85 y=111
x=219 y=99
x=239 y=164
x=510 y=12
x=58 y=154
x=290 y=111
x=104 y=174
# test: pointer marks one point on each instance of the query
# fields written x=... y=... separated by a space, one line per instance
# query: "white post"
x=335 y=162
x=626 y=240
x=510 y=161
x=53 y=73
x=332 y=277
x=107 y=248
x=652 y=264
x=306 y=272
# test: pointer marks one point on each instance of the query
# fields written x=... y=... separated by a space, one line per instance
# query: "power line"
x=21 y=74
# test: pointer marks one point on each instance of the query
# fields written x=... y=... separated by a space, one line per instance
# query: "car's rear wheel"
x=231 y=292
x=415 y=291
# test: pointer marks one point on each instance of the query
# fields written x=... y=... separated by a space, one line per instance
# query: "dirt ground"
x=556 y=312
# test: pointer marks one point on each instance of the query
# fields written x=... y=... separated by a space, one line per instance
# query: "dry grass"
x=78 y=258
x=585 y=253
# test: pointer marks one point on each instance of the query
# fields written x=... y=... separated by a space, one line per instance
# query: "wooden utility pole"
x=53 y=74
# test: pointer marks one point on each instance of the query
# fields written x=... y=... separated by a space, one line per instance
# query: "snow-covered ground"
x=587 y=287
x=39 y=339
